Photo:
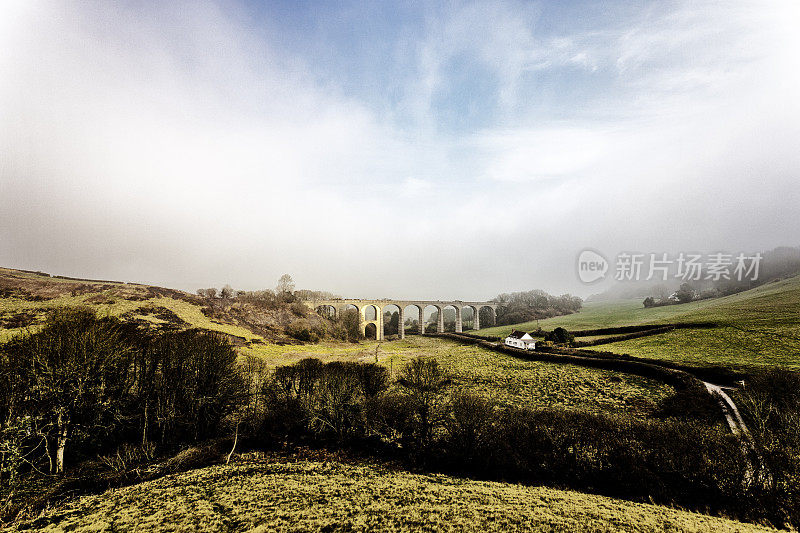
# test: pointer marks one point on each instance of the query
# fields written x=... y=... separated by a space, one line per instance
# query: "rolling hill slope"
x=25 y=298
x=759 y=327
x=330 y=496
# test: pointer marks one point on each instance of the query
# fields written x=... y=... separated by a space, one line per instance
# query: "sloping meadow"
x=258 y=495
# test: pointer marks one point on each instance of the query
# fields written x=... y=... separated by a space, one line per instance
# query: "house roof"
x=521 y=335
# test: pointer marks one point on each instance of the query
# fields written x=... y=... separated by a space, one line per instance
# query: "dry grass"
x=35 y=293
x=256 y=495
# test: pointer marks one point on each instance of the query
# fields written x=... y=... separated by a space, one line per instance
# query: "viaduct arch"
x=334 y=308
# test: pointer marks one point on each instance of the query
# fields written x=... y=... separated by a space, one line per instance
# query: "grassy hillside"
x=25 y=297
x=256 y=495
x=759 y=327
x=494 y=375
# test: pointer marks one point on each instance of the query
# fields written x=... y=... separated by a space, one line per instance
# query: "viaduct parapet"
x=336 y=307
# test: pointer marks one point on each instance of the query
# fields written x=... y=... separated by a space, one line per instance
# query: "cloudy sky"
x=415 y=150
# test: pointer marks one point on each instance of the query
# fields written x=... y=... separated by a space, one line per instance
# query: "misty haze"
x=336 y=266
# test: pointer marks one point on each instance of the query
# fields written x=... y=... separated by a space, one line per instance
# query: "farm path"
x=729 y=409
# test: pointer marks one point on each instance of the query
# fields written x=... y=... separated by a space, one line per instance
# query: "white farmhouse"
x=521 y=340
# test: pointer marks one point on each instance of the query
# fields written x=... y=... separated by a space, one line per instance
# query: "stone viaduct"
x=337 y=306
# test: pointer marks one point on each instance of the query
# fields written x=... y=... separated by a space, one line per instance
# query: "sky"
x=430 y=150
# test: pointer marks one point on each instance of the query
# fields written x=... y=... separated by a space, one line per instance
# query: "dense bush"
x=321 y=400
x=86 y=385
x=72 y=379
x=468 y=426
x=423 y=380
x=390 y=416
x=690 y=402
x=265 y=299
x=305 y=330
x=346 y=326
x=13 y=456
x=193 y=383
x=128 y=456
x=770 y=404
x=559 y=336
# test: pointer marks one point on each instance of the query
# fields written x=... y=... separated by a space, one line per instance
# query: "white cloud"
x=173 y=146
x=415 y=186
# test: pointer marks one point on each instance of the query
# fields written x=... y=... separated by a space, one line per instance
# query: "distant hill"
x=779 y=263
x=757 y=327
x=26 y=297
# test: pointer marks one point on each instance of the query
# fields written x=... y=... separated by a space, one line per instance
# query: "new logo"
x=591 y=266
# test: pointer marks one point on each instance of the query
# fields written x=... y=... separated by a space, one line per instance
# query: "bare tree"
x=226 y=292
x=424 y=381
x=197 y=384
x=72 y=376
x=285 y=285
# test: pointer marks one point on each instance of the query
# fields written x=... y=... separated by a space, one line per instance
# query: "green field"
x=759 y=327
x=260 y=495
x=493 y=375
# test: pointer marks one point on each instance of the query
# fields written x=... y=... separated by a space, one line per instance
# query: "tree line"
x=518 y=307
x=284 y=292
x=779 y=263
